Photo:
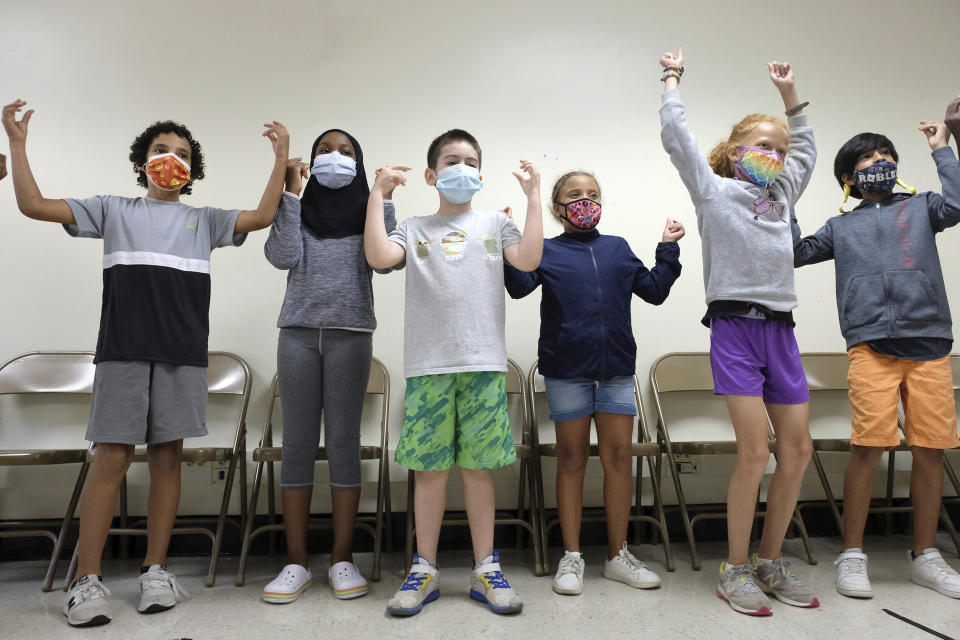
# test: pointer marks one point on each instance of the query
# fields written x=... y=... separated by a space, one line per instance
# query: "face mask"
x=333 y=170
x=880 y=177
x=459 y=183
x=583 y=213
x=167 y=171
x=759 y=166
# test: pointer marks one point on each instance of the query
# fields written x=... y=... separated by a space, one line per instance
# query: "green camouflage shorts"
x=456 y=419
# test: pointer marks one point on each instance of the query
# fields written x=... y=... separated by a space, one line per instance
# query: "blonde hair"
x=718 y=155
x=558 y=187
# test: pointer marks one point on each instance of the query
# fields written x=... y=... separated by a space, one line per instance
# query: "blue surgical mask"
x=880 y=177
x=333 y=170
x=458 y=183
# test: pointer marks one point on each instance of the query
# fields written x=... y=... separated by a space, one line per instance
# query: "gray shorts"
x=147 y=403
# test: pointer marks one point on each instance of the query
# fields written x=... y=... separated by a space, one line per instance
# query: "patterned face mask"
x=167 y=171
x=880 y=177
x=759 y=166
x=583 y=213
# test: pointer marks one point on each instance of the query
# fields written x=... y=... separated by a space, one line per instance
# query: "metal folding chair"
x=46 y=372
x=643 y=448
x=683 y=392
x=228 y=375
x=529 y=472
x=268 y=454
x=830 y=425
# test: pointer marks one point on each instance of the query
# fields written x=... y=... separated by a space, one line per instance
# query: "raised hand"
x=952 y=118
x=530 y=183
x=936 y=132
x=297 y=170
x=16 y=129
x=507 y=211
x=781 y=73
x=673 y=231
x=389 y=178
x=670 y=59
x=279 y=137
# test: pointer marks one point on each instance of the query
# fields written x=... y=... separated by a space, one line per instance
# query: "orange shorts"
x=925 y=389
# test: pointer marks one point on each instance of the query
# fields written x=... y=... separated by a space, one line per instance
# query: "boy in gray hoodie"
x=896 y=322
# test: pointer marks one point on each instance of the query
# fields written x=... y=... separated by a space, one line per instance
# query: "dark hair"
x=141 y=146
x=561 y=182
x=851 y=151
x=454 y=135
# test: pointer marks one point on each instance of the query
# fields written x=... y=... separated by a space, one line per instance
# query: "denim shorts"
x=572 y=398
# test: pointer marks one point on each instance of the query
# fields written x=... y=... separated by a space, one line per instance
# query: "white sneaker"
x=159 y=590
x=489 y=586
x=852 y=577
x=87 y=603
x=930 y=570
x=289 y=585
x=346 y=581
x=569 y=578
x=417 y=590
x=625 y=568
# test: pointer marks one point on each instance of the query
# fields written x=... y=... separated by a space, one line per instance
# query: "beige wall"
x=566 y=85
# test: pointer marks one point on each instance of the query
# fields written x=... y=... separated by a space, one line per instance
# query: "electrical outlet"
x=218 y=472
x=687 y=465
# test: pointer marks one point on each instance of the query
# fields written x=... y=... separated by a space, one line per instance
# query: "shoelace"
x=496 y=580
x=569 y=564
x=854 y=565
x=414 y=581
x=164 y=579
x=782 y=574
x=943 y=569
x=742 y=579
x=90 y=591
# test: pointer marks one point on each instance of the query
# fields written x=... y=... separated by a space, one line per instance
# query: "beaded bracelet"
x=671 y=72
x=797 y=109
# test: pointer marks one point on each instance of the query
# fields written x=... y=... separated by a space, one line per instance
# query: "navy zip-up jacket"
x=588 y=281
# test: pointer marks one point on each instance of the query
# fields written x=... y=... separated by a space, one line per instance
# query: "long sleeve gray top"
x=329 y=283
x=744 y=229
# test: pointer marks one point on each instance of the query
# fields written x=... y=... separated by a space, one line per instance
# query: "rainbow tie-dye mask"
x=583 y=213
x=167 y=171
x=759 y=166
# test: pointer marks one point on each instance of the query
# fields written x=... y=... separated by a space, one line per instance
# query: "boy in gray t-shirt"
x=455 y=355
x=150 y=385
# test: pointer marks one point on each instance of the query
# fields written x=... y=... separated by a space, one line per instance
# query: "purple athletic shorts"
x=756 y=357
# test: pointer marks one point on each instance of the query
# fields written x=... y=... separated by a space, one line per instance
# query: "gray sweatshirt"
x=746 y=242
x=329 y=284
x=888 y=276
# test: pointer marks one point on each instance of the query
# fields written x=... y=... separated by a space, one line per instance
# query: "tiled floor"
x=684 y=607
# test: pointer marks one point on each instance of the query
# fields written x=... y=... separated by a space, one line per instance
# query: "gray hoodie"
x=747 y=255
x=888 y=276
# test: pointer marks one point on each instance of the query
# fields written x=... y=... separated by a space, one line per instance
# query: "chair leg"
x=411 y=531
x=221 y=522
x=72 y=569
x=661 y=515
x=388 y=508
x=802 y=528
x=244 y=506
x=888 y=517
x=378 y=525
x=531 y=477
x=542 y=516
x=948 y=525
x=521 y=500
x=684 y=514
x=271 y=509
x=827 y=491
x=65 y=526
x=241 y=578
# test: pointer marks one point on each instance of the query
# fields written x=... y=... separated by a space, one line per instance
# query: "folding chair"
x=830 y=407
x=267 y=454
x=228 y=375
x=529 y=472
x=683 y=392
x=642 y=449
x=46 y=372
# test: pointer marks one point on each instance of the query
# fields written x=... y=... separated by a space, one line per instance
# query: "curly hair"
x=558 y=187
x=718 y=155
x=141 y=146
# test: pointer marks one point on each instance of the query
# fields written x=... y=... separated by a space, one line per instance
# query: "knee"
x=113 y=459
x=165 y=457
x=868 y=456
x=795 y=455
x=923 y=456
x=617 y=457
x=753 y=458
x=572 y=459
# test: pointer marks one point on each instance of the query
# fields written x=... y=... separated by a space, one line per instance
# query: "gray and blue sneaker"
x=417 y=590
x=488 y=585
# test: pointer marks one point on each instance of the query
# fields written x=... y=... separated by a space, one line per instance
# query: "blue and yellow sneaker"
x=488 y=585
x=418 y=589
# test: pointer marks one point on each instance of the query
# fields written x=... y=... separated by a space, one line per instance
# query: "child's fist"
x=781 y=73
x=389 y=178
x=670 y=59
x=936 y=132
x=297 y=169
x=673 y=231
x=530 y=183
x=952 y=118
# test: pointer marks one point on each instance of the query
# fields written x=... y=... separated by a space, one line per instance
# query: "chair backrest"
x=48 y=372
x=829 y=400
x=228 y=376
x=517 y=402
x=687 y=408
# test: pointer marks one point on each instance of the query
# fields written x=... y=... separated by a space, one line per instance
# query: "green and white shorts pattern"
x=456 y=419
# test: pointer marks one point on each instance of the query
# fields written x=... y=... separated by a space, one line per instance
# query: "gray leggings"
x=322 y=371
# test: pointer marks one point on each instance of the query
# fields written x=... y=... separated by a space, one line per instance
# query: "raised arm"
x=526 y=254
x=29 y=199
x=952 y=120
x=802 y=152
x=654 y=285
x=284 y=246
x=381 y=251
x=944 y=211
x=262 y=216
x=695 y=171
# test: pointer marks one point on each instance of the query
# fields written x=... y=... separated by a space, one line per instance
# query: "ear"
x=430 y=176
x=733 y=155
x=847 y=179
x=559 y=210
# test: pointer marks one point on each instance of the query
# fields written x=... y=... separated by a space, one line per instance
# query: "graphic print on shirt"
x=454 y=244
x=491 y=242
x=423 y=248
x=769 y=210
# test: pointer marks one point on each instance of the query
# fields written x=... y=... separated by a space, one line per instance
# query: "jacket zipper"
x=603 y=337
x=887 y=298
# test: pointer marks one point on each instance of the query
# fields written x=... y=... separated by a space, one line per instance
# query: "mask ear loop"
x=903 y=184
x=846 y=195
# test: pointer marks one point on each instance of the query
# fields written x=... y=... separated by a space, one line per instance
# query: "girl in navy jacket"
x=587 y=355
